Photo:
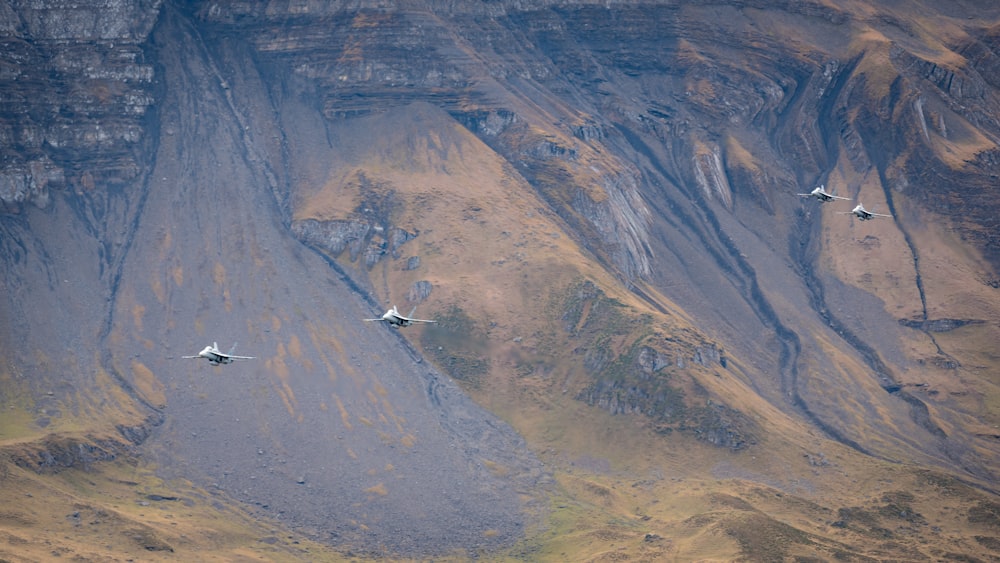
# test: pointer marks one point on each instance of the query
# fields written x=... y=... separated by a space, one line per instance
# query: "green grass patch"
x=458 y=345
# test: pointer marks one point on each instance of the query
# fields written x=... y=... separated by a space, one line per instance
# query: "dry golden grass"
x=875 y=65
x=955 y=141
x=379 y=489
x=738 y=156
x=116 y=510
x=680 y=501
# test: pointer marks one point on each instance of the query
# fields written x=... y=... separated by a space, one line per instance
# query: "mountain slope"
x=598 y=204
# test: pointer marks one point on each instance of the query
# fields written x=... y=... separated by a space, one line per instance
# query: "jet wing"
x=408 y=319
x=823 y=195
x=236 y=357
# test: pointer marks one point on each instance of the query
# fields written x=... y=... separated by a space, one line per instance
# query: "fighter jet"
x=215 y=357
x=861 y=213
x=393 y=317
x=821 y=194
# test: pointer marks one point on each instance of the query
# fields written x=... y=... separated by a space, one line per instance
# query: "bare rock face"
x=77 y=88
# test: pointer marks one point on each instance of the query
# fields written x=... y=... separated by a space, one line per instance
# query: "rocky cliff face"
x=77 y=86
x=599 y=203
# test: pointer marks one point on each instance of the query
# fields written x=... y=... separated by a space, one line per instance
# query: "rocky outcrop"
x=656 y=378
x=361 y=239
x=622 y=221
x=55 y=453
x=655 y=385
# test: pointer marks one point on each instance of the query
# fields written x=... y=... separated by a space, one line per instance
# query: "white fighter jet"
x=215 y=357
x=393 y=317
x=861 y=213
x=821 y=194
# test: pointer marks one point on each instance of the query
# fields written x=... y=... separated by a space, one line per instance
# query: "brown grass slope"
x=114 y=511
